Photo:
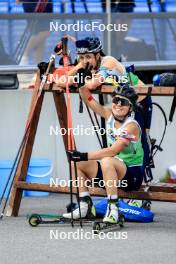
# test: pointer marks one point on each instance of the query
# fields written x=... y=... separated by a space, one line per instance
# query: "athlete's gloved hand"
x=42 y=67
x=77 y=156
x=83 y=75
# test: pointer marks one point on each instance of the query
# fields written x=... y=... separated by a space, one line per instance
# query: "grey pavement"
x=144 y=244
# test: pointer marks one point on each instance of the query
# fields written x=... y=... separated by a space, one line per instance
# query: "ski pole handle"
x=44 y=77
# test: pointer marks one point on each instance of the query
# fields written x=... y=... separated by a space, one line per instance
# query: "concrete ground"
x=144 y=244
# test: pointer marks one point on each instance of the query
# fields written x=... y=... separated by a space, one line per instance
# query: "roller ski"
x=141 y=204
x=35 y=220
x=88 y=214
x=111 y=219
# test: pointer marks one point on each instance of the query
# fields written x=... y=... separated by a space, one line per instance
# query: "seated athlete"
x=121 y=160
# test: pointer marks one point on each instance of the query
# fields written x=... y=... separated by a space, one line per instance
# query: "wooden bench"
x=156 y=192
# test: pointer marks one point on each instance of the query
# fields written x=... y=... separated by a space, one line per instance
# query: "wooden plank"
x=159 y=187
x=139 y=195
x=156 y=90
x=162 y=187
x=107 y=89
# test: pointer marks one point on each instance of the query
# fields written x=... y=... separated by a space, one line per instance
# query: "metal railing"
x=139 y=66
x=158 y=5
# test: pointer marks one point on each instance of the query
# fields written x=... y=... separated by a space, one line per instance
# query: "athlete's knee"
x=106 y=162
x=78 y=166
x=82 y=165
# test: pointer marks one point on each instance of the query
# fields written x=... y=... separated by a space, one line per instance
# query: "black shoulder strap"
x=103 y=123
x=173 y=107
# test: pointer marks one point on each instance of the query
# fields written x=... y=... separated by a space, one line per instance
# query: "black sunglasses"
x=123 y=101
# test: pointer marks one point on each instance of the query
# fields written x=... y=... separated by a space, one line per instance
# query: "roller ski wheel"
x=121 y=221
x=96 y=227
x=35 y=220
x=101 y=226
x=147 y=205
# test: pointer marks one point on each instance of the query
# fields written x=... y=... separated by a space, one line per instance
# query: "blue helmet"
x=89 y=45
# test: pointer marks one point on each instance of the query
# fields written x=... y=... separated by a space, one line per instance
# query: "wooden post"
x=61 y=110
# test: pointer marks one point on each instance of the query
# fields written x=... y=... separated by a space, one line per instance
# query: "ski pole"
x=71 y=142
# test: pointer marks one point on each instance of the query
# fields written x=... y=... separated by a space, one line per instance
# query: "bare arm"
x=97 y=79
x=112 y=151
x=61 y=82
x=99 y=109
x=118 y=146
x=112 y=63
x=94 y=83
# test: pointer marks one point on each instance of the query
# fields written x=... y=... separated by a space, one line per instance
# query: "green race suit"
x=133 y=154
